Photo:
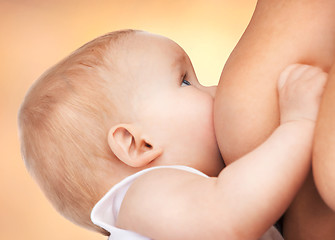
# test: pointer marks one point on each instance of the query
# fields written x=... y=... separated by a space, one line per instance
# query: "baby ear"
x=129 y=144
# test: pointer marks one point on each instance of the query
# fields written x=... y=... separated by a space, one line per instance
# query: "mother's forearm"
x=324 y=147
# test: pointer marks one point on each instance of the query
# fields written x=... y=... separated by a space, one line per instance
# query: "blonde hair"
x=64 y=122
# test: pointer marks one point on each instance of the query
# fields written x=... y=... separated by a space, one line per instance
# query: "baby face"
x=174 y=110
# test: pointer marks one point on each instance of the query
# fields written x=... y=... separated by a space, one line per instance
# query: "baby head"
x=121 y=103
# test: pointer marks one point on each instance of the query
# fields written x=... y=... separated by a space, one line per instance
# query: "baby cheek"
x=197 y=112
x=206 y=122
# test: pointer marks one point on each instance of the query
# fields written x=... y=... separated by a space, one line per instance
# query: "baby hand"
x=300 y=89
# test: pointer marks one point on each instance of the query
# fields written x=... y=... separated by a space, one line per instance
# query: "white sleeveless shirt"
x=106 y=211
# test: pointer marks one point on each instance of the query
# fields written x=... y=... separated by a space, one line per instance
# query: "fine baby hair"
x=63 y=123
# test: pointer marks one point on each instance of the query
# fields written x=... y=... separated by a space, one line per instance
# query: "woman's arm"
x=324 y=145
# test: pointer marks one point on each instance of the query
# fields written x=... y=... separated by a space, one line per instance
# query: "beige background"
x=37 y=33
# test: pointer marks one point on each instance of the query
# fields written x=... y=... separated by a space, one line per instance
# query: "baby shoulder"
x=171 y=204
x=154 y=189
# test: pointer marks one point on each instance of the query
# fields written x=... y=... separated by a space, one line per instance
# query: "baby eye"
x=185 y=82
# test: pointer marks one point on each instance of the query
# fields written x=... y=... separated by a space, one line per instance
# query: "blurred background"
x=36 y=34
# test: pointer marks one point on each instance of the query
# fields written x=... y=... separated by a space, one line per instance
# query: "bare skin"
x=246 y=108
x=169 y=203
x=324 y=151
x=173 y=204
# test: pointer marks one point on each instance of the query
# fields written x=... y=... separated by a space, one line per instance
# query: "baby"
x=125 y=115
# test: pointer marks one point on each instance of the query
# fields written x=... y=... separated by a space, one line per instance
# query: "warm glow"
x=35 y=34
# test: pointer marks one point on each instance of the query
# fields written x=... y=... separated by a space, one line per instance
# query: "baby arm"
x=244 y=200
